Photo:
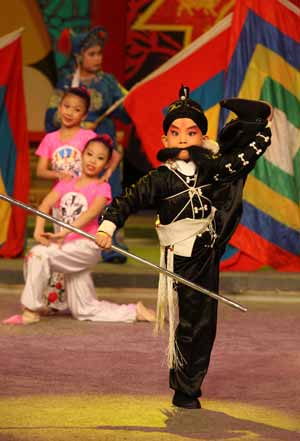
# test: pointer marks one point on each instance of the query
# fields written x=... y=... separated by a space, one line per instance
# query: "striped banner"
x=252 y=54
x=263 y=63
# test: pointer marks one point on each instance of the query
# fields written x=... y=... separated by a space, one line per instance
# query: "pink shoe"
x=14 y=320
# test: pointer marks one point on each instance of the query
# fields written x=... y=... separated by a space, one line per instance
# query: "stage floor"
x=66 y=380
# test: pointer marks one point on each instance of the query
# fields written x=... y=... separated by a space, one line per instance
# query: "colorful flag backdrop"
x=263 y=63
x=14 y=152
x=201 y=66
x=253 y=54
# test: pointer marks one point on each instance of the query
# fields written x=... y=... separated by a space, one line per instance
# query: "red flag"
x=14 y=154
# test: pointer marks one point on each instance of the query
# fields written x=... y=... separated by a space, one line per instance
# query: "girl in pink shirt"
x=80 y=201
x=60 y=151
x=60 y=158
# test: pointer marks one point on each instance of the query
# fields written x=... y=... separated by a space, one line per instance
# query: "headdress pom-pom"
x=184 y=92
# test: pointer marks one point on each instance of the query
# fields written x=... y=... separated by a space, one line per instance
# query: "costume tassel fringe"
x=161 y=295
x=168 y=295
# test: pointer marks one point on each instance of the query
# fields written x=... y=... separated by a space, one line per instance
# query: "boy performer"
x=197 y=193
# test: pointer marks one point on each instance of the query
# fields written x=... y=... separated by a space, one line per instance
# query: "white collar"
x=186 y=168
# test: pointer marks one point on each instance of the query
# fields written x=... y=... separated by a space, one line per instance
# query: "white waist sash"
x=182 y=234
x=179 y=236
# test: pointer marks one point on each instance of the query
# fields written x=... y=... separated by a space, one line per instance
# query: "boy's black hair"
x=104 y=139
x=185 y=108
x=81 y=92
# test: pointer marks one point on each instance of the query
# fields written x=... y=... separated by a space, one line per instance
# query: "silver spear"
x=168 y=273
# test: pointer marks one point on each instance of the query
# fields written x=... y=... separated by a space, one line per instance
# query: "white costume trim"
x=107 y=227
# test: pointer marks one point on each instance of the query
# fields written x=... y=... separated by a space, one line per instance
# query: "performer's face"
x=94 y=158
x=182 y=133
x=91 y=60
x=72 y=110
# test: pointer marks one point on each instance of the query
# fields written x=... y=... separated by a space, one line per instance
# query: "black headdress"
x=184 y=107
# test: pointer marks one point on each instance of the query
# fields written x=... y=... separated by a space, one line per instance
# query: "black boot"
x=180 y=399
x=248 y=110
x=252 y=118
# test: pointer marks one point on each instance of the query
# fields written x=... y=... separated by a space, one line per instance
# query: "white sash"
x=182 y=234
x=179 y=236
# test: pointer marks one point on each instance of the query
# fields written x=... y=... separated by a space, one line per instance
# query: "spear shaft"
x=158 y=268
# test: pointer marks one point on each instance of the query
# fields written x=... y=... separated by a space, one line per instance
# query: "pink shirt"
x=65 y=155
x=73 y=202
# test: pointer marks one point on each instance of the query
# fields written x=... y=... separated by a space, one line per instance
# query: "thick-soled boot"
x=248 y=110
x=252 y=118
x=180 y=399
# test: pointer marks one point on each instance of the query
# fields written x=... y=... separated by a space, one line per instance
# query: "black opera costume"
x=201 y=201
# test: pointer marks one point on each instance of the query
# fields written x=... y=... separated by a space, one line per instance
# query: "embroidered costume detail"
x=228 y=166
x=257 y=151
x=178 y=237
x=265 y=138
x=241 y=156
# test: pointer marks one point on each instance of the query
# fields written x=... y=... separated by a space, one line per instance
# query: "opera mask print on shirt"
x=67 y=159
x=72 y=205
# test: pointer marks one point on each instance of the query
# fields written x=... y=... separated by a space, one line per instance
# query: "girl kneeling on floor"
x=80 y=201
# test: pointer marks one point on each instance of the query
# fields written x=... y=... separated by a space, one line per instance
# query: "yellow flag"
x=5 y=212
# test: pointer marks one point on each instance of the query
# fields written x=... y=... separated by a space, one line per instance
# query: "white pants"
x=73 y=259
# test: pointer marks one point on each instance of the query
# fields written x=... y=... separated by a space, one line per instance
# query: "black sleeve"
x=144 y=194
x=239 y=161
